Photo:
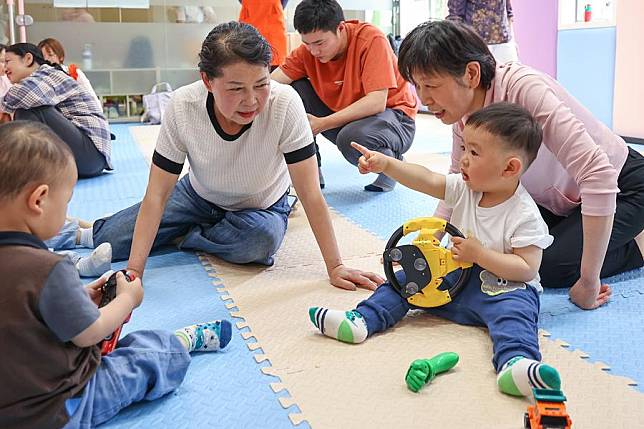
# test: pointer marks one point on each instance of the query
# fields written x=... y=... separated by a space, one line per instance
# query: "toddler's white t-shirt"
x=514 y=223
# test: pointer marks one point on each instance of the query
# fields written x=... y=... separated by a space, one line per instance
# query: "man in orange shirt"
x=348 y=79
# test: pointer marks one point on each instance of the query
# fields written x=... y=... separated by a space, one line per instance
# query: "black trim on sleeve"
x=210 y=106
x=165 y=164
x=300 y=155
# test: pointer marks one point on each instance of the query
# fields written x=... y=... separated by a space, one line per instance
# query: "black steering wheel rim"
x=388 y=265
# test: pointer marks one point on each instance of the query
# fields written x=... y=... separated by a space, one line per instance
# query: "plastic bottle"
x=87 y=57
x=588 y=12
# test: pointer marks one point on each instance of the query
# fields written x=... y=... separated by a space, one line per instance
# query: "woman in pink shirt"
x=588 y=184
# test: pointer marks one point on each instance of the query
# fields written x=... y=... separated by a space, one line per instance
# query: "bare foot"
x=82 y=223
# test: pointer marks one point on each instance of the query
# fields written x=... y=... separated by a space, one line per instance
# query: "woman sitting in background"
x=5 y=84
x=43 y=93
x=53 y=51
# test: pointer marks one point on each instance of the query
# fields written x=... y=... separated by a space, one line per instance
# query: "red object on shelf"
x=588 y=13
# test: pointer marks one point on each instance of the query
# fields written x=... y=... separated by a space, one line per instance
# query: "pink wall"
x=628 y=110
x=535 y=28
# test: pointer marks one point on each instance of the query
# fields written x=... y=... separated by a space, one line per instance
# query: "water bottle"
x=87 y=57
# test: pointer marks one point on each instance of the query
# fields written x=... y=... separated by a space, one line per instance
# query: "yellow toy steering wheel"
x=425 y=263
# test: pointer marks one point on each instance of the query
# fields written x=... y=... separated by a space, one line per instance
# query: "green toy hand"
x=417 y=373
x=422 y=371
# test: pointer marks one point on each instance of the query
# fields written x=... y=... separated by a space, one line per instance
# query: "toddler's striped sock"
x=519 y=375
x=346 y=326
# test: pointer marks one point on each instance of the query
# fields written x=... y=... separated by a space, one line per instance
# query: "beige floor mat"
x=146 y=138
x=339 y=385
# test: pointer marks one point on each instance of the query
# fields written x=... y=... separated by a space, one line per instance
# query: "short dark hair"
x=445 y=47
x=230 y=43
x=513 y=124
x=30 y=152
x=317 y=15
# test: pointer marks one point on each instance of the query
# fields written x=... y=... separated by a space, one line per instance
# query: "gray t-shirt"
x=64 y=303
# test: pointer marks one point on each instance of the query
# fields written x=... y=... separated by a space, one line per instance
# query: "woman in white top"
x=53 y=51
x=246 y=138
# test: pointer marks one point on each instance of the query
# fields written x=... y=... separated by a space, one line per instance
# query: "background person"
x=492 y=20
x=347 y=76
x=46 y=94
x=267 y=16
x=53 y=51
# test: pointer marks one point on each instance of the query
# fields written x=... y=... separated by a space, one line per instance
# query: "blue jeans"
x=146 y=365
x=511 y=317
x=66 y=238
x=241 y=237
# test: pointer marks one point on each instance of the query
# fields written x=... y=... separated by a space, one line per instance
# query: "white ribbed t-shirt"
x=248 y=171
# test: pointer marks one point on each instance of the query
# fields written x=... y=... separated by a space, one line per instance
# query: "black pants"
x=89 y=161
x=561 y=262
x=390 y=132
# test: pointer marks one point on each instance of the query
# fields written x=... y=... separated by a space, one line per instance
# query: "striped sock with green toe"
x=519 y=375
x=346 y=326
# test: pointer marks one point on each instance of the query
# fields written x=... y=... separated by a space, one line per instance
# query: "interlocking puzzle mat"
x=224 y=389
x=337 y=384
x=383 y=213
x=612 y=334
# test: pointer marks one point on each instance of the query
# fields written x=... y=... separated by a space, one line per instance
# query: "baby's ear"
x=513 y=167
x=36 y=199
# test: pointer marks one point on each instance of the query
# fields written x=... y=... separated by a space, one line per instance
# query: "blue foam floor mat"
x=225 y=389
x=612 y=334
x=381 y=213
x=116 y=190
x=222 y=389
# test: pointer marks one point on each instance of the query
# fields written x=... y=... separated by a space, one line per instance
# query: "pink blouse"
x=580 y=158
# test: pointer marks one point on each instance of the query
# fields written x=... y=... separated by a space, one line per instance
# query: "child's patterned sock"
x=205 y=337
x=519 y=375
x=346 y=326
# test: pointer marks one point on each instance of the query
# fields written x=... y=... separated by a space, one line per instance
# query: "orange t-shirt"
x=368 y=65
x=267 y=16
